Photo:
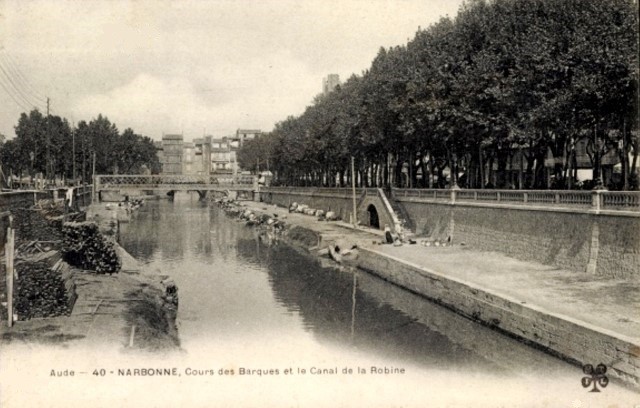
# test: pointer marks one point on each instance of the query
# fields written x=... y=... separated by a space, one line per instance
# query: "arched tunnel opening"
x=374 y=220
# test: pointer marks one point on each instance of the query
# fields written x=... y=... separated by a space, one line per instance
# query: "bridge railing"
x=591 y=200
x=339 y=192
x=155 y=181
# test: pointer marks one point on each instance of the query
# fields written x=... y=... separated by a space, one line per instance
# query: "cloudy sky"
x=191 y=66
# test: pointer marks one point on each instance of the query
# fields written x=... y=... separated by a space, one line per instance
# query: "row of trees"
x=505 y=81
x=50 y=146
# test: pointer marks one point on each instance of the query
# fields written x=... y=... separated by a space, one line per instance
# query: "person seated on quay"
x=388 y=236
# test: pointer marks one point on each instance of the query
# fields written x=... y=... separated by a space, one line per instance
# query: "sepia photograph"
x=319 y=203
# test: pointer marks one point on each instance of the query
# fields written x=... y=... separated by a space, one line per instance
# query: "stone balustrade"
x=596 y=200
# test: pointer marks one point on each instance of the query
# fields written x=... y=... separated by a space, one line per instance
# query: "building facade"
x=205 y=155
x=172 y=154
x=242 y=135
x=191 y=161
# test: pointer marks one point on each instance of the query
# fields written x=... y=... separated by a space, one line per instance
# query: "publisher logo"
x=594 y=377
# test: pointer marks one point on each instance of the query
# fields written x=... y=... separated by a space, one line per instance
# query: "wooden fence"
x=8 y=242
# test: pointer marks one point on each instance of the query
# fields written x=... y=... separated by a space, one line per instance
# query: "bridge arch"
x=374 y=218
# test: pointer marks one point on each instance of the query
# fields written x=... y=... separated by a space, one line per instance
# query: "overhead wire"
x=17 y=90
x=20 y=80
x=14 y=66
x=52 y=111
x=2 y=83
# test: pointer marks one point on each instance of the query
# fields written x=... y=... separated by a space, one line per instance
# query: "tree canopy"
x=47 y=144
x=505 y=81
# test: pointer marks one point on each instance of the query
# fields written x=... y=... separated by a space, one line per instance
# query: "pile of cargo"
x=270 y=228
x=40 y=292
x=39 y=287
x=43 y=221
x=320 y=214
x=85 y=247
x=50 y=208
x=33 y=225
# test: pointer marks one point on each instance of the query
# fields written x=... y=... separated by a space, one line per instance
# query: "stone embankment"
x=131 y=309
x=581 y=318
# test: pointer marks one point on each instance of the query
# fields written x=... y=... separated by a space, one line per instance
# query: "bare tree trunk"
x=597 y=173
x=490 y=172
x=431 y=171
x=450 y=164
x=386 y=170
x=411 y=164
x=633 y=171
x=423 y=166
x=481 y=165
x=502 y=168
x=624 y=159
x=372 y=173
x=398 y=171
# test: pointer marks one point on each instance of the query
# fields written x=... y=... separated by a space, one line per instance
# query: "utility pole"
x=93 y=178
x=235 y=167
x=84 y=160
x=632 y=168
x=73 y=141
x=48 y=162
x=353 y=189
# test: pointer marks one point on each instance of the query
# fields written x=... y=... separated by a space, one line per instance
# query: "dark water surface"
x=277 y=301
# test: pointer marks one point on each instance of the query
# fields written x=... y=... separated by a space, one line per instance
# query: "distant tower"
x=330 y=82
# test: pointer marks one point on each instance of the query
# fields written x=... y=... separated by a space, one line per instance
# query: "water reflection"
x=235 y=289
x=334 y=306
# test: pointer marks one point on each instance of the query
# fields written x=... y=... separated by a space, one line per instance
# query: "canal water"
x=245 y=306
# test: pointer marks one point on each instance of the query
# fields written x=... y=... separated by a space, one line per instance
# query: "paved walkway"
x=601 y=303
x=106 y=309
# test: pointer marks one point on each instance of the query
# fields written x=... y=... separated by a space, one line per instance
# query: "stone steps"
x=405 y=226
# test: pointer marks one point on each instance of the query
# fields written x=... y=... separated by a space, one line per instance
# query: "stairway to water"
x=403 y=223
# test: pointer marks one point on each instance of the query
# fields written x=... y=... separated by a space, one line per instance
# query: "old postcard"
x=244 y=203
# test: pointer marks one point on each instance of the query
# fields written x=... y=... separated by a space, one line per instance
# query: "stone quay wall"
x=603 y=244
x=563 y=336
x=575 y=236
x=337 y=200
